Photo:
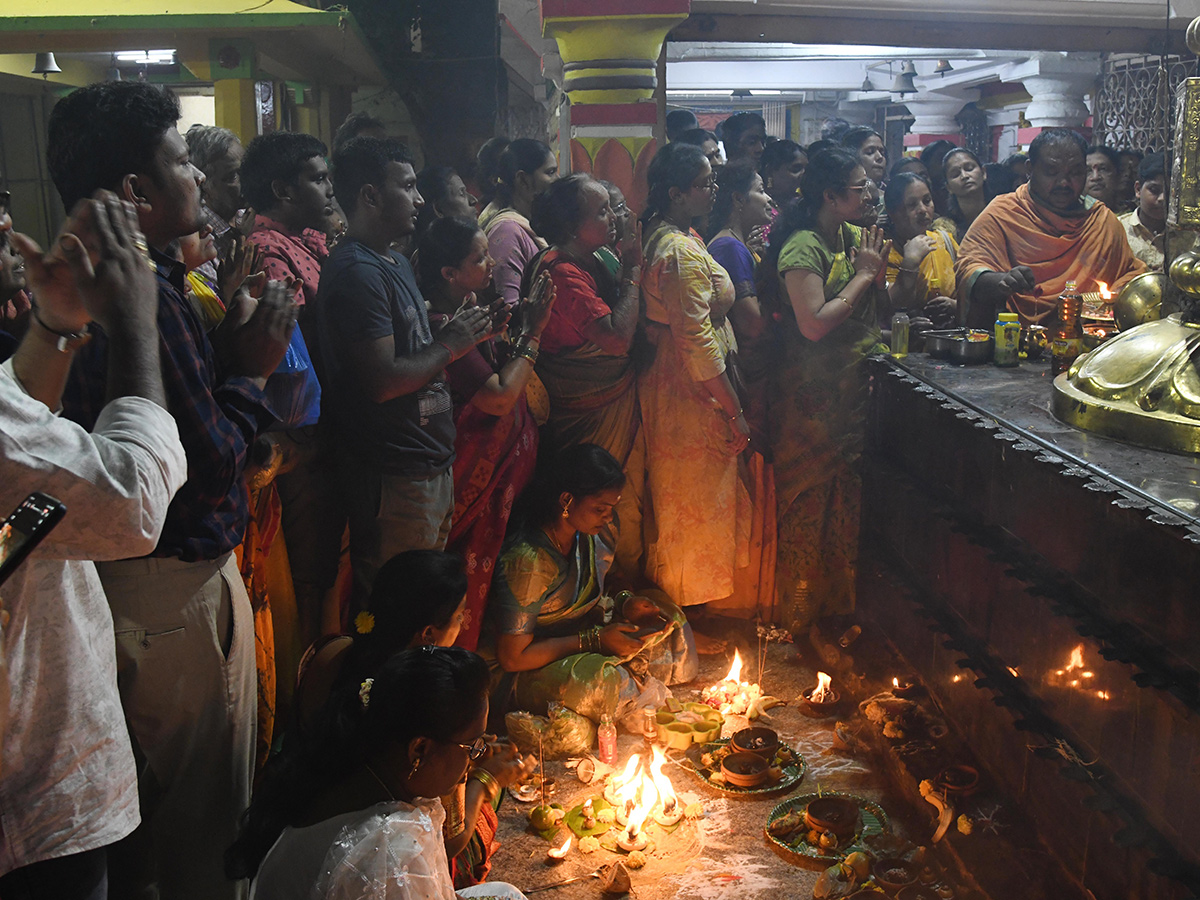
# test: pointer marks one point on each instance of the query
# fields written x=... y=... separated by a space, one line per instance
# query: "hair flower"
x=364 y=622
x=364 y=692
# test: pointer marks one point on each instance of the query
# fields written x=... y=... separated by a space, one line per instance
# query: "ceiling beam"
x=801 y=29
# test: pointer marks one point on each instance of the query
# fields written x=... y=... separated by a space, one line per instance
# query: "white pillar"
x=1058 y=85
x=934 y=113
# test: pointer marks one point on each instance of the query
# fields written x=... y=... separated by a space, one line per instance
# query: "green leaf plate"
x=792 y=775
x=802 y=853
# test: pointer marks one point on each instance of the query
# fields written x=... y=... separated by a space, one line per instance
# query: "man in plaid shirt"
x=184 y=630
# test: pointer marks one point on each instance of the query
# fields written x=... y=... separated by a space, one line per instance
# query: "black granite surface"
x=1019 y=399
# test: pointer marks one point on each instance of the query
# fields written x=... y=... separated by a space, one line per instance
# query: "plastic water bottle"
x=900 y=333
x=606 y=737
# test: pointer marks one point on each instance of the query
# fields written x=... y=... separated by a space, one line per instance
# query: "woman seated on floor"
x=418 y=600
x=346 y=815
x=558 y=636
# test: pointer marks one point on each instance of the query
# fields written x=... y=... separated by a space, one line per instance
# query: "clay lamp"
x=821 y=700
x=744 y=770
x=894 y=874
x=836 y=814
x=555 y=855
x=632 y=837
x=760 y=741
x=958 y=779
x=669 y=810
x=905 y=687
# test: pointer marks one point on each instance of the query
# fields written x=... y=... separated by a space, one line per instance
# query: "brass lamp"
x=1143 y=386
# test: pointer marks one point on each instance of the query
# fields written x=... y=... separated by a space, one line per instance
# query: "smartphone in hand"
x=25 y=528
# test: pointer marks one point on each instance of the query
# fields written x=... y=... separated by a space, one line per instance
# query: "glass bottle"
x=606 y=736
x=1066 y=338
x=900 y=333
x=1008 y=340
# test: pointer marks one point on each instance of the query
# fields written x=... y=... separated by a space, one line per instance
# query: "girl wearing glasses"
x=820 y=277
x=347 y=813
x=418 y=600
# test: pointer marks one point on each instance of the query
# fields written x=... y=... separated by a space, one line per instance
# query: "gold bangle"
x=488 y=780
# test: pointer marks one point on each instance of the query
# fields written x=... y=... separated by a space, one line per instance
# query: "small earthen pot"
x=894 y=874
x=958 y=779
x=744 y=770
x=836 y=814
x=815 y=710
x=760 y=741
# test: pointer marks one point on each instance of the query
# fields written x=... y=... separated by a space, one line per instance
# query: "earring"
x=413 y=771
x=566 y=509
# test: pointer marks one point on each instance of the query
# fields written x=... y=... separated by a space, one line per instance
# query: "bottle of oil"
x=900 y=333
x=1066 y=338
x=607 y=739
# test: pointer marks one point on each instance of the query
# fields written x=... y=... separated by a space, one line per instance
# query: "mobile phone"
x=25 y=528
x=658 y=623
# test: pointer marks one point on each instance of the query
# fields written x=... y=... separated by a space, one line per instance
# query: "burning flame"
x=1076 y=661
x=560 y=852
x=666 y=794
x=1105 y=293
x=636 y=818
x=822 y=691
x=895 y=682
x=735 y=671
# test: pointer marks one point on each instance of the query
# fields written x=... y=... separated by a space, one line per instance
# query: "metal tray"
x=952 y=344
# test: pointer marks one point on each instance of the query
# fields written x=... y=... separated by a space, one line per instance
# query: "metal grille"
x=1133 y=104
x=977 y=135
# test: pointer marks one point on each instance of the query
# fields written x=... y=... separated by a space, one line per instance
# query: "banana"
x=759 y=706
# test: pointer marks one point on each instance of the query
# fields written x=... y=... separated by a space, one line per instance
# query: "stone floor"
x=726 y=855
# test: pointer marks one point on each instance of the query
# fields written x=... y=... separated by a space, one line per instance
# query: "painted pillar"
x=934 y=119
x=231 y=66
x=1058 y=84
x=610 y=49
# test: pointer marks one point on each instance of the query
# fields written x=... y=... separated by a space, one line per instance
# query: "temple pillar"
x=610 y=50
x=1058 y=85
x=934 y=119
x=231 y=65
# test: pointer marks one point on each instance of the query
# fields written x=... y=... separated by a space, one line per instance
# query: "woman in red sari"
x=495 y=446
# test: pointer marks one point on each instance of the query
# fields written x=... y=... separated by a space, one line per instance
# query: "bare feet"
x=707 y=646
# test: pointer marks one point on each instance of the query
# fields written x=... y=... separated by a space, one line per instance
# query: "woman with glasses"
x=821 y=277
x=550 y=601
x=966 y=180
x=609 y=254
x=346 y=813
x=699 y=513
x=418 y=600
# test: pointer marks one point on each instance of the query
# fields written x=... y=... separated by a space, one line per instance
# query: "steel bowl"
x=954 y=344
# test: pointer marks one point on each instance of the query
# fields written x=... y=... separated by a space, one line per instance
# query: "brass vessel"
x=1140 y=386
x=1143 y=386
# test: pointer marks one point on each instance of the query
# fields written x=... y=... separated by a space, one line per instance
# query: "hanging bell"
x=867 y=87
x=904 y=81
x=943 y=67
x=44 y=64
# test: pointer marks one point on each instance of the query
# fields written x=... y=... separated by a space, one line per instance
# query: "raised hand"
x=257 y=343
x=631 y=246
x=872 y=255
x=917 y=249
x=466 y=328
x=536 y=308
x=99 y=268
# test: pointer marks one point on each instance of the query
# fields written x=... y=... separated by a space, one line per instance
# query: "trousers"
x=185 y=671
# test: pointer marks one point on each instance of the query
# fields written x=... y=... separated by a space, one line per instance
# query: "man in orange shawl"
x=1025 y=246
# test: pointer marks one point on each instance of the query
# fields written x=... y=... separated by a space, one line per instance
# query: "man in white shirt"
x=68 y=783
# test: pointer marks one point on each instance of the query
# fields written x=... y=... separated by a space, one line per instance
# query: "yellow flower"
x=364 y=623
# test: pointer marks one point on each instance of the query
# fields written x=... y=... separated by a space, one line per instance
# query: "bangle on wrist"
x=530 y=354
x=446 y=347
x=488 y=780
x=67 y=341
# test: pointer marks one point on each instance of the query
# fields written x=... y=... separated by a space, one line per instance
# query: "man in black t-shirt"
x=385 y=394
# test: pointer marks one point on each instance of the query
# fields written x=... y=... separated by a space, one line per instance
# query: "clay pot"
x=759 y=741
x=744 y=770
x=836 y=814
x=819 y=710
x=894 y=874
x=958 y=779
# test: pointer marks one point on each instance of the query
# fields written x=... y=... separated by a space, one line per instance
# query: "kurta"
x=698 y=511
x=1014 y=230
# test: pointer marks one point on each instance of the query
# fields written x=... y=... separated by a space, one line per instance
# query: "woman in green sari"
x=826 y=296
x=557 y=633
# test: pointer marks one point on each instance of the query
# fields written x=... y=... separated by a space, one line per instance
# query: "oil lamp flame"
x=560 y=852
x=822 y=691
x=1105 y=293
x=895 y=682
x=735 y=670
x=662 y=785
x=1076 y=661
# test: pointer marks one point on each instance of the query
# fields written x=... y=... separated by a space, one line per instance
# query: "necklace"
x=554 y=541
x=383 y=784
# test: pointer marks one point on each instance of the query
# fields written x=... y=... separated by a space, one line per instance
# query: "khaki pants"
x=185 y=669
